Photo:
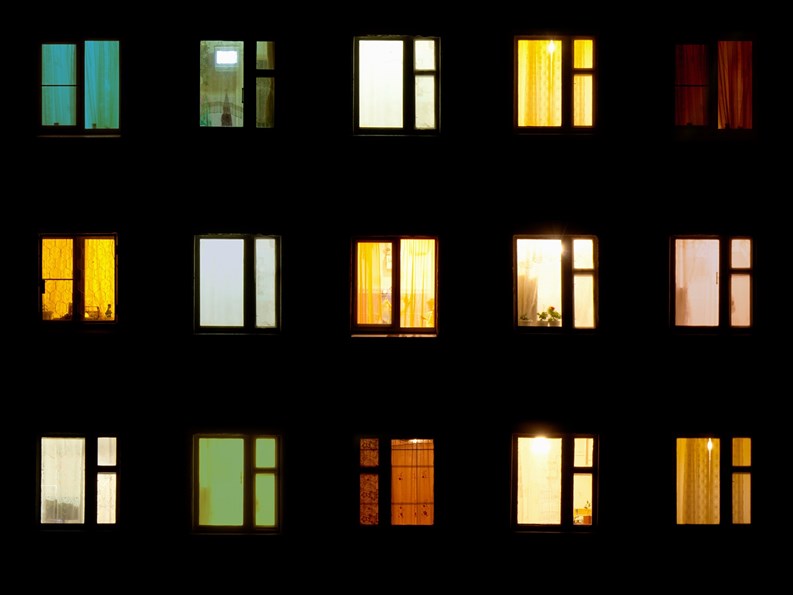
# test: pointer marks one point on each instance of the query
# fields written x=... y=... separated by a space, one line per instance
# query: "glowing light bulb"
x=710 y=445
x=551 y=47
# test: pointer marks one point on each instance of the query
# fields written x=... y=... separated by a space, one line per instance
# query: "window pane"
x=583 y=254
x=370 y=497
x=697 y=282
x=265 y=55
x=582 y=100
x=741 y=498
x=539 y=278
x=583 y=53
x=100 y=279
x=412 y=482
x=424 y=54
x=221 y=83
x=374 y=282
x=380 y=80
x=62 y=480
x=741 y=253
x=265 y=453
x=417 y=283
x=539 y=82
x=265 y=500
x=691 y=85
x=735 y=84
x=222 y=282
x=101 y=84
x=58 y=80
x=741 y=452
x=106 y=452
x=265 y=102
x=582 y=498
x=265 y=282
x=106 y=498
x=220 y=481
x=698 y=481
x=583 y=453
x=741 y=300
x=425 y=102
x=370 y=454
x=584 y=301
x=539 y=480
x=57 y=272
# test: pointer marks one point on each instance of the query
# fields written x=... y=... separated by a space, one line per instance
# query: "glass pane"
x=741 y=498
x=63 y=480
x=370 y=454
x=698 y=481
x=582 y=498
x=424 y=54
x=583 y=452
x=57 y=272
x=265 y=55
x=539 y=280
x=583 y=114
x=691 y=85
x=583 y=53
x=265 y=102
x=221 y=83
x=417 y=283
x=741 y=300
x=583 y=254
x=265 y=453
x=100 y=279
x=425 y=102
x=58 y=64
x=265 y=282
x=220 y=481
x=735 y=84
x=106 y=452
x=221 y=282
x=265 y=500
x=539 y=82
x=59 y=106
x=691 y=106
x=696 y=282
x=584 y=301
x=374 y=281
x=101 y=84
x=412 y=482
x=741 y=253
x=741 y=452
x=370 y=496
x=539 y=480
x=380 y=82
x=106 y=498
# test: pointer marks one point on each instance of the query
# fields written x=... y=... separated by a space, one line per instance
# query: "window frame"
x=409 y=74
x=568 y=471
x=569 y=71
x=249 y=285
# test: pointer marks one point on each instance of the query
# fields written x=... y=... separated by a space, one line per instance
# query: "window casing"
x=80 y=88
x=401 y=479
x=78 y=278
x=395 y=286
x=554 y=276
x=555 y=83
x=555 y=481
x=226 y=73
x=237 y=283
x=700 y=299
x=396 y=85
x=702 y=497
x=237 y=483
x=78 y=481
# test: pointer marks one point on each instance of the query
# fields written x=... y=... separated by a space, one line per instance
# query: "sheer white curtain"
x=697 y=282
x=62 y=480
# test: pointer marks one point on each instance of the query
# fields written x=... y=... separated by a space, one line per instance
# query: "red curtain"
x=735 y=84
x=691 y=85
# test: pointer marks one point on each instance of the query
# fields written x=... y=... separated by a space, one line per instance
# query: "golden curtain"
x=373 y=280
x=417 y=283
x=698 y=481
x=412 y=482
x=539 y=82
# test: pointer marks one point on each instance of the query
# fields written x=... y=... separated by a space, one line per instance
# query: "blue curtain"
x=101 y=84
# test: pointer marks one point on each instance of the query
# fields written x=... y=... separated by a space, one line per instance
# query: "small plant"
x=549 y=315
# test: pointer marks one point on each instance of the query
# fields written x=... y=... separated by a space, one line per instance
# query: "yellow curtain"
x=57 y=272
x=742 y=481
x=417 y=283
x=412 y=482
x=373 y=279
x=100 y=279
x=698 y=481
x=539 y=82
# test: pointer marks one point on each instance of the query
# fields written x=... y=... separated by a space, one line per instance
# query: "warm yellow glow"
x=710 y=445
x=698 y=481
x=539 y=489
x=551 y=47
x=57 y=272
x=540 y=445
x=539 y=83
x=417 y=283
x=583 y=53
x=100 y=279
x=412 y=482
x=697 y=282
x=741 y=452
x=583 y=93
x=374 y=282
x=539 y=278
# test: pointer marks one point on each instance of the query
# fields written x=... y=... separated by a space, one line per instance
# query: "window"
x=396 y=85
x=80 y=87
x=554 y=276
x=725 y=65
x=236 y=484
x=78 y=481
x=555 y=83
x=555 y=481
x=410 y=481
x=223 y=78
x=78 y=279
x=237 y=283
x=395 y=286
x=699 y=295
x=702 y=499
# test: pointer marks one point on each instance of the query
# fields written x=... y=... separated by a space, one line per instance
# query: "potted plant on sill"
x=549 y=317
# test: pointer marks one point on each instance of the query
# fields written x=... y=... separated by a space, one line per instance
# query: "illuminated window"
x=395 y=286
x=236 y=483
x=237 y=283
x=78 y=279
x=396 y=85
x=702 y=498
x=554 y=83
x=410 y=482
x=555 y=481
x=700 y=298
x=554 y=276
x=725 y=65
x=78 y=481
x=80 y=87
x=222 y=84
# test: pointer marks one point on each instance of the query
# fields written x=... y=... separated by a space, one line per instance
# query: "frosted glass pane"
x=265 y=500
x=539 y=270
x=265 y=282
x=424 y=54
x=220 y=481
x=221 y=83
x=100 y=279
x=265 y=452
x=106 y=498
x=583 y=53
x=741 y=253
x=583 y=102
x=741 y=300
x=582 y=498
x=63 y=480
x=59 y=106
x=583 y=254
x=106 y=452
x=584 y=301
x=380 y=83
x=370 y=453
x=101 y=84
x=425 y=102
x=265 y=55
x=583 y=452
x=539 y=480
x=696 y=282
x=265 y=102
x=369 y=498
x=221 y=282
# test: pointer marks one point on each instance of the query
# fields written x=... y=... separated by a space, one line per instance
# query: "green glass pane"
x=265 y=453
x=58 y=106
x=220 y=481
x=265 y=499
x=101 y=84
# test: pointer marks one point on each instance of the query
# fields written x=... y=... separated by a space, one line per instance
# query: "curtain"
x=57 y=272
x=539 y=496
x=265 y=282
x=101 y=84
x=62 y=480
x=691 y=85
x=539 y=277
x=417 y=283
x=374 y=283
x=412 y=482
x=221 y=282
x=696 y=282
x=539 y=82
x=58 y=85
x=100 y=279
x=369 y=481
x=735 y=84
x=380 y=83
x=698 y=481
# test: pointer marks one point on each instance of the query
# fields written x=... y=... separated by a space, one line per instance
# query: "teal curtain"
x=58 y=84
x=101 y=84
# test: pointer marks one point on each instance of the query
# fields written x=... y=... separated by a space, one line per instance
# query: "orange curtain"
x=735 y=84
x=412 y=482
x=539 y=82
x=697 y=481
x=373 y=277
x=417 y=283
x=691 y=85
